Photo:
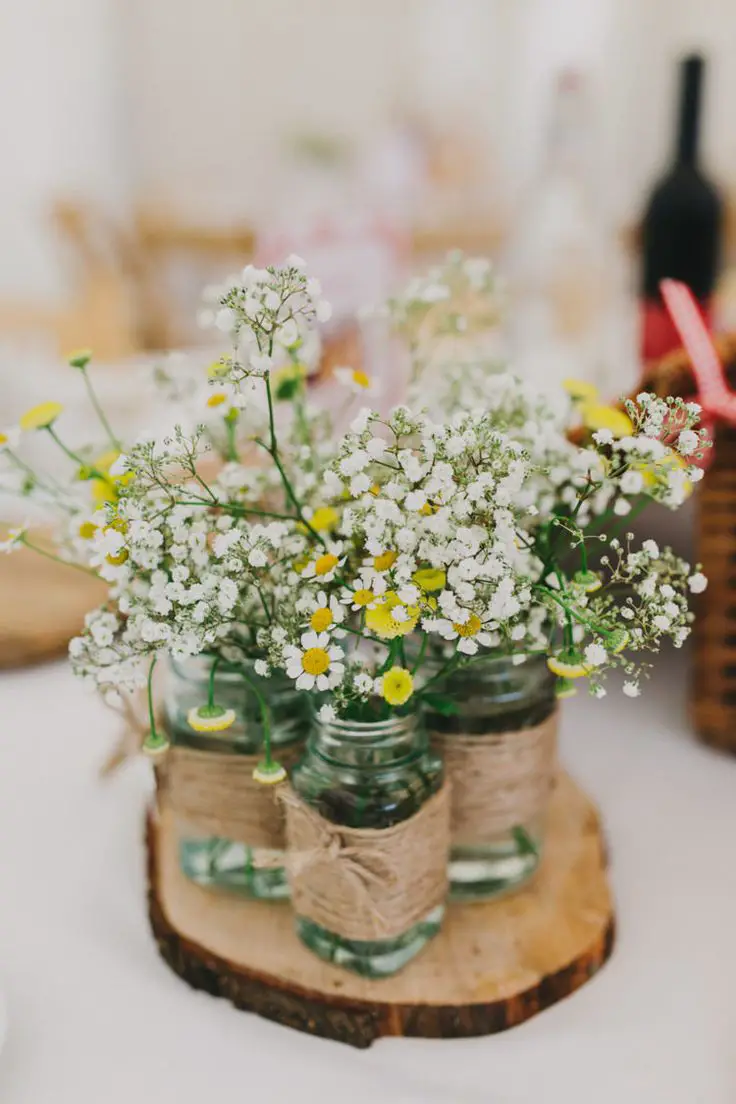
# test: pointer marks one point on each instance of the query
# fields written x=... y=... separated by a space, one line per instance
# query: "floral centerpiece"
x=369 y=573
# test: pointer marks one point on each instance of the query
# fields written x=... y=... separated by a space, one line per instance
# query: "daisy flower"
x=316 y=663
x=357 y=381
x=470 y=635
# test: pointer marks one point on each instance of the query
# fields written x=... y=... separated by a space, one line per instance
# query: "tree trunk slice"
x=42 y=606
x=494 y=964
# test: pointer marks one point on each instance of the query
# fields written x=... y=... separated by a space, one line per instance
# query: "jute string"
x=214 y=794
x=367 y=883
x=499 y=780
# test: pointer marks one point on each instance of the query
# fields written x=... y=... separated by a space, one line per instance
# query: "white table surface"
x=97 y=1018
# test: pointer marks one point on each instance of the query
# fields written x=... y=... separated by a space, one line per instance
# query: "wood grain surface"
x=494 y=964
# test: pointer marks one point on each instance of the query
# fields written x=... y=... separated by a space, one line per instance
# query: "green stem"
x=211 y=684
x=265 y=720
x=99 y=411
x=151 y=711
x=94 y=472
x=231 y=452
x=57 y=559
x=420 y=657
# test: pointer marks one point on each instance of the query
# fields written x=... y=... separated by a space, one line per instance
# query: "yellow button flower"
x=80 y=358
x=217 y=399
x=41 y=416
x=210 y=718
x=321 y=619
x=569 y=665
x=383 y=619
x=384 y=561
x=397 y=686
x=324 y=518
x=269 y=774
x=3 y=439
x=87 y=530
x=430 y=578
x=580 y=390
x=599 y=416
x=323 y=565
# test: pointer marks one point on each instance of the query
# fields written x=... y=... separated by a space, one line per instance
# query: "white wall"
x=62 y=127
x=191 y=99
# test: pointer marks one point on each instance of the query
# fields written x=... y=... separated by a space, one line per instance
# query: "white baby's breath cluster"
x=366 y=568
x=447 y=314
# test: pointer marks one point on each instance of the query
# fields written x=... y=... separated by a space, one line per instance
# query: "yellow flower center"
x=375 y=489
x=217 y=399
x=87 y=530
x=384 y=561
x=361 y=378
x=471 y=627
x=324 y=564
x=41 y=416
x=397 y=686
x=324 y=518
x=430 y=578
x=3 y=438
x=315 y=661
x=427 y=509
x=321 y=619
x=363 y=597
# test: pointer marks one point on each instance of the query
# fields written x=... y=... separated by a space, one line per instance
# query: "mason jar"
x=368 y=833
x=230 y=827
x=499 y=749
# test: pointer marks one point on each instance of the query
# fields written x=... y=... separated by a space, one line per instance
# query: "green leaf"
x=444 y=706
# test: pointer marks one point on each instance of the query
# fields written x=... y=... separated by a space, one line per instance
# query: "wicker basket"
x=714 y=681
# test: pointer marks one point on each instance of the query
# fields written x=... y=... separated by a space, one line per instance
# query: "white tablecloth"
x=97 y=1018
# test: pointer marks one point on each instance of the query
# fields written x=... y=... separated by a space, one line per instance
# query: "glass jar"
x=499 y=749
x=231 y=832
x=373 y=776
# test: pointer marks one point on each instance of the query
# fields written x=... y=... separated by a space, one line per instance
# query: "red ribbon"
x=713 y=392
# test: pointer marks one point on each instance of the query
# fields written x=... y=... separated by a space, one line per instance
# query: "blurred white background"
x=192 y=104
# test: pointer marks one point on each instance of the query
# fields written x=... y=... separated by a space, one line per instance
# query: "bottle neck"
x=375 y=744
x=691 y=84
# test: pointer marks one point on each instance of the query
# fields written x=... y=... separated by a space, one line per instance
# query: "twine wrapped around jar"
x=367 y=883
x=213 y=793
x=499 y=780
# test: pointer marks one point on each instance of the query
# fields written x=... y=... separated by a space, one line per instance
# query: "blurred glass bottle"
x=683 y=222
x=565 y=265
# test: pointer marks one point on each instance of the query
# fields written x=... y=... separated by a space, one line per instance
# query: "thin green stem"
x=114 y=441
x=95 y=473
x=211 y=683
x=231 y=451
x=57 y=559
x=151 y=711
x=265 y=720
x=422 y=650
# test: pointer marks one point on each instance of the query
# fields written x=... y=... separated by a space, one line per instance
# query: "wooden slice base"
x=42 y=606
x=492 y=966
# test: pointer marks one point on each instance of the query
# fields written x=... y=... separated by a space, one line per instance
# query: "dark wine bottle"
x=682 y=226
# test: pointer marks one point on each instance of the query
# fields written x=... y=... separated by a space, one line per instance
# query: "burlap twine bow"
x=499 y=780
x=367 y=883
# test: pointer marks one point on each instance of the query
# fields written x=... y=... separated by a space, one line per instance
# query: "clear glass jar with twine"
x=498 y=743
x=230 y=826
x=368 y=833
